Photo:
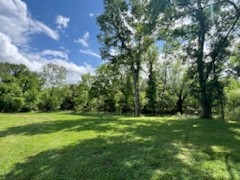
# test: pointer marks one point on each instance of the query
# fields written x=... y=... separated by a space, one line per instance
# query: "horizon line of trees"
x=164 y=90
x=197 y=72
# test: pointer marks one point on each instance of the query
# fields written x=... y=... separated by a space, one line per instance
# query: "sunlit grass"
x=73 y=146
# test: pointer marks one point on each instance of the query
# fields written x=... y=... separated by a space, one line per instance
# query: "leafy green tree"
x=235 y=61
x=125 y=37
x=69 y=98
x=54 y=77
x=31 y=85
x=19 y=88
x=51 y=99
x=207 y=29
x=82 y=99
x=151 y=92
x=178 y=83
x=82 y=92
x=127 y=90
x=107 y=86
x=166 y=100
x=232 y=91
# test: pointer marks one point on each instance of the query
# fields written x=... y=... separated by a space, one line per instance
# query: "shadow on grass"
x=181 y=149
x=82 y=124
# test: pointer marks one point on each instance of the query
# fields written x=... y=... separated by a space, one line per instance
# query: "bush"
x=16 y=104
x=234 y=115
x=51 y=100
x=233 y=105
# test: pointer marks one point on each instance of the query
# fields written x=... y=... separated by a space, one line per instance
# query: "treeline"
x=163 y=91
x=201 y=33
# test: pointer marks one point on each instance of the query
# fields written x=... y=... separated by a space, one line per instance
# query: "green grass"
x=71 y=146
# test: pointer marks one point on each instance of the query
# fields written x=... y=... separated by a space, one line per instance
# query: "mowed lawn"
x=73 y=146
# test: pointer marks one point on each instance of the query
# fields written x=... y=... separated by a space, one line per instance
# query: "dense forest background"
x=163 y=58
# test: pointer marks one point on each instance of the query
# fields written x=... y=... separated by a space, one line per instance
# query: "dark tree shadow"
x=172 y=149
x=105 y=158
x=96 y=123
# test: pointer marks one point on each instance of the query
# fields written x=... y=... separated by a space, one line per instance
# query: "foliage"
x=151 y=92
x=53 y=75
x=51 y=99
x=235 y=61
x=125 y=37
x=233 y=100
x=19 y=88
x=206 y=29
x=53 y=95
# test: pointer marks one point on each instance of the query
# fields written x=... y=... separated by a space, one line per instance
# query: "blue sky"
x=82 y=19
x=36 y=32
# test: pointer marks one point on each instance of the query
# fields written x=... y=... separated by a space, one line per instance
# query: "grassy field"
x=71 y=146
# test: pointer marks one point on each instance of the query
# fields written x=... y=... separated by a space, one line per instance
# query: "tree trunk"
x=206 y=107
x=204 y=99
x=222 y=110
x=136 y=92
x=180 y=105
x=221 y=103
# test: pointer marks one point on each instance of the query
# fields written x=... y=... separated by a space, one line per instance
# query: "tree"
x=107 y=85
x=235 y=61
x=207 y=29
x=70 y=94
x=53 y=75
x=19 y=88
x=176 y=73
x=82 y=99
x=232 y=91
x=31 y=87
x=53 y=95
x=125 y=37
x=127 y=90
x=151 y=93
x=179 y=84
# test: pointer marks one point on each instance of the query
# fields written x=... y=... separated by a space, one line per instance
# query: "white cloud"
x=90 y=52
x=91 y=14
x=84 y=40
x=62 y=21
x=17 y=23
x=56 y=54
x=64 y=49
x=10 y=53
x=74 y=72
x=16 y=29
x=34 y=61
x=38 y=27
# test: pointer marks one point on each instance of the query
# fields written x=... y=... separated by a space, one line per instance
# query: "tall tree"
x=207 y=29
x=151 y=59
x=54 y=75
x=125 y=36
